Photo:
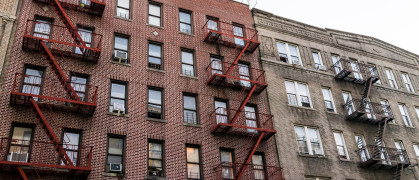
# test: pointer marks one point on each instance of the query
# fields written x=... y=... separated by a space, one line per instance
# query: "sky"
x=395 y=22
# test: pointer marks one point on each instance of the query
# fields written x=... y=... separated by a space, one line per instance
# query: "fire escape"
x=45 y=94
x=362 y=110
x=249 y=81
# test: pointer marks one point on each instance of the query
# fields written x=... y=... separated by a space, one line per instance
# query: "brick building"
x=337 y=97
x=134 y=90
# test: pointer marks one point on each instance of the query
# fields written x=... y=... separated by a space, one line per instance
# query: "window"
x=298 y=94
x=123 y=9
x=355 y=68
x=155 y=55
x=258 y=161
x=341 y=145
x=318 y=62
x=417 y=111
x=363 y=151
x=32 y=83
x=289 y=53
x=405 y=115
x=244 y=74
x=400 y=150
x=42 y=27
x=155 y=158
x=154 y=14
x=374 y=72
x=190 y=109
x=386 y=109
x=238 y=31
x=416 y=148
x=155 y=103
x=79 y=84
x=185 y=21
x=216 y=65
x=328 y=100
x=116 y=152
x=407 y=82
x=118 y=97
x=193 y=161
x=221 y=112
x=250 y=115
x=308 y=140
x=121 y=53
x=227 y=160
x=19 y=148
x=212 y=23
x=349 y=104
x=71 y=142
x=391 y=79
x=86 y=35
x=188 y=62
x=336 y=63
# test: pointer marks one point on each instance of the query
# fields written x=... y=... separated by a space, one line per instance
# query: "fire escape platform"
x=368 y=112
x=60 y=42
x=253 y=172
x=384 y=157
x=355 y=72
x=92 y=7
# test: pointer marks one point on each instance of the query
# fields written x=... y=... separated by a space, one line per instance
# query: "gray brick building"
x=345 y=105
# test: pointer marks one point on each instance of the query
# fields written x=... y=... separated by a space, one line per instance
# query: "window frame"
x=317 y=65
x=406 y=112
x=191 y=22
x=129 y=10
x=391 y=78
x=297 y=94
x=79 y=148
x=128 y=37
x=48 y=20
x=193 y=61
x=86 y=29
x=41 y=85
x=196 y=105
x=161 y=55
x=162 y=101
x=374 y=73
x=416 y=150
x=85 y=76
x=344 y=146
x=263 y=164
x=200 y=160
x=331 y=99
x=384 y=102
x=232 y=158
x=162 y=143
x=408 y=84
x=11 y=131
x=243 y=28
x=288 y=52
x=116 y=136
x=126 y=94
x=215 y=19
x=160 y=5
x=308 y=140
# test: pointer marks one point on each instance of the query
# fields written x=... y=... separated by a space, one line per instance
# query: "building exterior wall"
x=8 y=16
x=365 y=49
x=136 y=128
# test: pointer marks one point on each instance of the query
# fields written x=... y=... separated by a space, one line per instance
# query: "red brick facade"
x=135 y=126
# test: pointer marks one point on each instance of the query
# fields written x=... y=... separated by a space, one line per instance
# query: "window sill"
x=119 y=115
x=301 y=107
x=121 y=18
x=109 y=174
x=334 y=113
x=193 y=77
x=345 y=160
x=394 y=124
x=124 y=64
x=156 y=120
x=193 y=35
x=155 y=178
x=412 y=127
x=155 y=26
x=192 y=125
x=312 y=156
x=156 y=70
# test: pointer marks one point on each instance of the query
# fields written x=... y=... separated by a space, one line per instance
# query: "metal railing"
x=87 y=6
x=226 y=171
x=388 y=156
x=232 y=32
x=372 y=110
x=243 y=75
x=358 y=70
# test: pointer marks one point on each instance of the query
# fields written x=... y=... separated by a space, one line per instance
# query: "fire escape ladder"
x=249 y=157
x=68 y=24
x=58 y=71
x=50 y=133
x=22 y=173
x=397 y=175
x=243 y=104
x=366 y=93
x=237 y=59
x=379 y=139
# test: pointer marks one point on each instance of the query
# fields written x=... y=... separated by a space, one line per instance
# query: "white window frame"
x=308 y=140
x=340 y=134
x=345 y=100
x=416 y=149
x=297 y=94
x=417 y=111
x=407 y=82
x=400 y=147
x=320 y=59
x=331 y=98
x=405 y=115
x=384 y=102
x=289 y=60
x=374 y=73
x=335 y=60
x=391 y=80
x=364 y=155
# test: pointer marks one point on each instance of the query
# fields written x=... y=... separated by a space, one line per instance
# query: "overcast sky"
x=395 y=22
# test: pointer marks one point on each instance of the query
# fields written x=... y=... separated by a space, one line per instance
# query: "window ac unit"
x=115 y=167
x=18 y=157
x=121 y=56
x=321 y=67
x=118 y=108
x=305 y=104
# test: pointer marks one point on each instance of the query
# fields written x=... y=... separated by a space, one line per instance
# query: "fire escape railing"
x=354 y=71
x=93 y=7
x=383 y=155
x=366 y=111
x=226 y=171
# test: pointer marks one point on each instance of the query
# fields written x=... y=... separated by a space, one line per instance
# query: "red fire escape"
x=250 y=81
x=45 y=94
x=362 y=110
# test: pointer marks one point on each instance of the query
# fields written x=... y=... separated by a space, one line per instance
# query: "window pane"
x=155 y=163
x=189 y=102
x=299 y=131
x=293 y=50
x=194 y=171
x=114 y=159
x=302 y=89
x=186 y=28
x=188 y=70
x=187 y=57
x=118 y=91
x=326 y=94
x=257 y=160
x=116 y=146
x=192 y=155
x=154 y=60
x=190 y=117
x=154 y=96
x=290 y=87
x=121 y=43
x=185 y=17
x=123 y=3
x=154 y=21
x=155 y=150
x=338 y=138
x=34 y=72
x=226 y=156
x=71 y=140
x=154 y=10
x=281 y=48
x=22 y=133
x=154 y=50
x=122 y=13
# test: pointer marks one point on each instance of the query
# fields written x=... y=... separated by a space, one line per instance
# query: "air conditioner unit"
x=305 y=104
x=321 y=67
x=121 y=56
x=118 y=108
x=115 y=167
x=18 y=157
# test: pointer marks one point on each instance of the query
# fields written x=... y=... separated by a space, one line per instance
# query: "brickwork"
x=134 y=125
x=365 y=49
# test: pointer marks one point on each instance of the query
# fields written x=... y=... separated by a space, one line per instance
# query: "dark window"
x=43 y=27
x=155 y=55
x=87 y=35
x=19 y=148
x=121 y=49
x=155 y=158
x=71 y=143
x=123 y=9
x=188 y=62
x=193 y=161
x=116 y=153
x=32 y=83
x=155 y=103
x=185 y=20
x=190 y=109
x=154 y=14
x=227 y=160
x=79 y=83
x=118 y=97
